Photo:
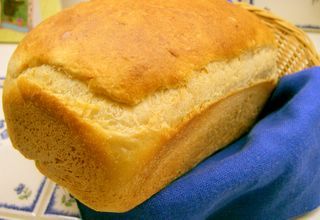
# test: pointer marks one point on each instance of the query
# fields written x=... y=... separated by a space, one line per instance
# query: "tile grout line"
x=44 y=199
x=17 y=216
x=40 y=208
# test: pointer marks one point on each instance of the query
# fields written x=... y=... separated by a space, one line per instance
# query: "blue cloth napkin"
x=273 y=172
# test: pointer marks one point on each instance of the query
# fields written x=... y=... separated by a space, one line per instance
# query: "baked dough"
x=115 y=99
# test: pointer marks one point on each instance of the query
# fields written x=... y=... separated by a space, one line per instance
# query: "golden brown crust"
x=127 y=49
x=77 y=154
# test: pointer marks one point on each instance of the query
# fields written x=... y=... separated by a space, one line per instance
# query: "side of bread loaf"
x=103 y=152
x=114 y=148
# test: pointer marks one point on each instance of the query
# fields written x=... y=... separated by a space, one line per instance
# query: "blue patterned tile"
x=26 y=199
x=61 y=203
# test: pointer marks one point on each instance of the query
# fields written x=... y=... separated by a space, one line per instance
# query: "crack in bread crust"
x=126 y=50
x=165 y=109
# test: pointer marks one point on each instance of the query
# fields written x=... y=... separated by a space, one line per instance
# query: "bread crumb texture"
x=163 y=110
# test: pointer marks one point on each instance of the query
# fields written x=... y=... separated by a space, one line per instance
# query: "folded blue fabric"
x=273 y=172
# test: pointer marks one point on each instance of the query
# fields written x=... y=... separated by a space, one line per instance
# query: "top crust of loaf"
x=128 y=49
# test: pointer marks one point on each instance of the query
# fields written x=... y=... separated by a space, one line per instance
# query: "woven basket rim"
x=287 y=27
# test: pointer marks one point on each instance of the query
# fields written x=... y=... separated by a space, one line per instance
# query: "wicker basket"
x=295 y=50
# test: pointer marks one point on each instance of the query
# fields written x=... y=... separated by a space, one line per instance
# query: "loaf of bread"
x=115 y=99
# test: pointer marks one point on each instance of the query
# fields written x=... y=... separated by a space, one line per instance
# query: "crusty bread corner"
x=115 y=106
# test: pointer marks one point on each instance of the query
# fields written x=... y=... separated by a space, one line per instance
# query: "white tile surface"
x=62 y=204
